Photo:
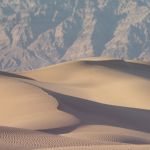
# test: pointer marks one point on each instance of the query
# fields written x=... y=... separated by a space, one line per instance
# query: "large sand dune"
x=87 y=104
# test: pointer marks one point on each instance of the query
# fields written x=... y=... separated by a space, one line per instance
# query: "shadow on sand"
x=8 y=74
x=133 y=68
x=93 y=113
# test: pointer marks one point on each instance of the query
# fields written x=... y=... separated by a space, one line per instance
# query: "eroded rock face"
x=36 y=33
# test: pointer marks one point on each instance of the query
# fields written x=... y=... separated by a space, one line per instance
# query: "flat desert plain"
x=91 y=104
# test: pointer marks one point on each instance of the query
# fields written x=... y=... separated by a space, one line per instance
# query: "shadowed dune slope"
x=87 y=104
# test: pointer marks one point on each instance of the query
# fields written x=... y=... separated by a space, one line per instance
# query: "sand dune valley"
x=91 y=104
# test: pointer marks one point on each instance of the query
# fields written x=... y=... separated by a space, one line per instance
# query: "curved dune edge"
x=87 y=104
x=27 y=106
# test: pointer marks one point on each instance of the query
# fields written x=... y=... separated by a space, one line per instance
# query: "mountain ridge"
x=36 y=33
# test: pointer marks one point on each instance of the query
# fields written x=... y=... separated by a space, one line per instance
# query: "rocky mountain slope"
x=36 y=33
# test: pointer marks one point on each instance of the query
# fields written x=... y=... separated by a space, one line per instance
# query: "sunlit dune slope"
x=26 y=106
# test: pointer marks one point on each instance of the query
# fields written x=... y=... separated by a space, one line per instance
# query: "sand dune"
x=112 y=82
x=26 y=106
x=86 y=104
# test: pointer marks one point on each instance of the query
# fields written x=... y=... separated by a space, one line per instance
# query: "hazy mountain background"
x=36 y=33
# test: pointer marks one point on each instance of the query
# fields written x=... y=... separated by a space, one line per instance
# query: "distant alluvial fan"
x=36 y=33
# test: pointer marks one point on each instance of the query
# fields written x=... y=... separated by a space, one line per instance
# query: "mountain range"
x=36 y=33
